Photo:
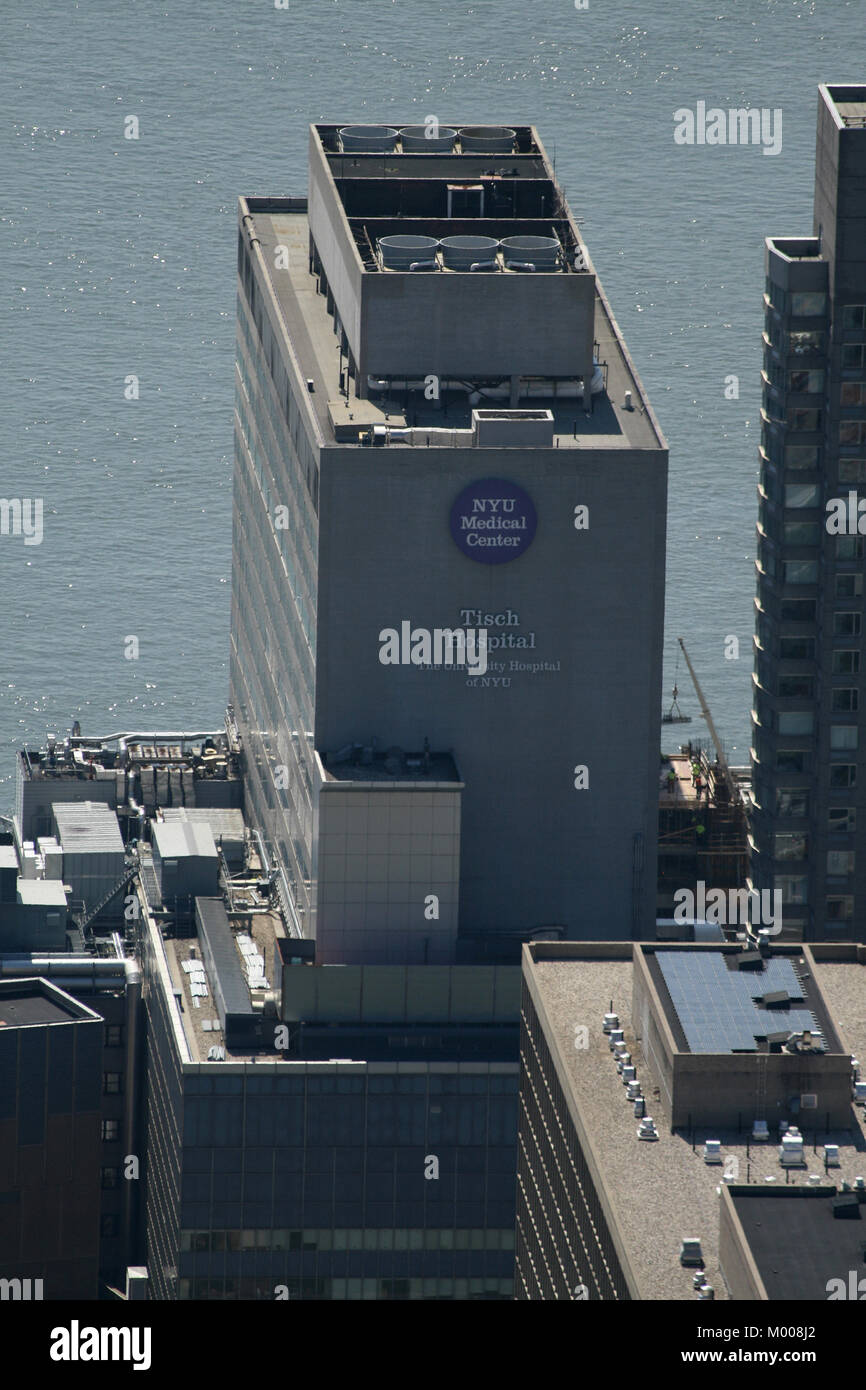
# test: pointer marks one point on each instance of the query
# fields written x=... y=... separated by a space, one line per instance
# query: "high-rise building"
x=690 y=1121
x=808 y=770
x=449 y=542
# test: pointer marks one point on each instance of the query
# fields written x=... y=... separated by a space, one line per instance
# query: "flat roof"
x=183 y=839
x=35 y=1002
x=441 y=768
x=200 y=1016
x=849 y=102
x=663 y=1191
x=87 y=827
x=284 y=222
x=798 y=1244
x=48 y=891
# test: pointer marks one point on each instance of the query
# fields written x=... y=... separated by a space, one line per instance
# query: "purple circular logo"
x=493 y=521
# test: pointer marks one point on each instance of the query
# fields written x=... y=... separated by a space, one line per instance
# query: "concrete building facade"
x=432 y=437
x=807 y=760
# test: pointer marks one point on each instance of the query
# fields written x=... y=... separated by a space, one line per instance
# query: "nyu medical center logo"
x=493 y=521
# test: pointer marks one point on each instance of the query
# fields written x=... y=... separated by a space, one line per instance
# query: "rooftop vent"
x=487 y=139
x=530 y=252
x=691 y=1254
x=368 y=139
x=404 y=252
x=713 y=1151
x=464 y=252
x=418 y=139
x=610 y=1022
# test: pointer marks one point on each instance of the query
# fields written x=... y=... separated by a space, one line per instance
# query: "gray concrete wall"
x=456 y=324
x=383 y=850
x=735 y=1259
x=535 y=851
x=723 y=1090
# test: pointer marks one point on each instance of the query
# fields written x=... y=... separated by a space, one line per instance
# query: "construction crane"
x=705 y=711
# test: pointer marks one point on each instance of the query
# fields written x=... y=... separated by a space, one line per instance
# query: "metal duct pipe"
x=71 y=965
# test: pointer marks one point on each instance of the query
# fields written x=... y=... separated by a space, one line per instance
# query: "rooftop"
x=359 y=765
x=304 y=312
x=797 y=1243
x=36 y=1002
x=663 y=1191
x=848 y=104
x=87 y=827
x=179 y=839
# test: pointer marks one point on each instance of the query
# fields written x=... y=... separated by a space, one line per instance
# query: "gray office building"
x=808 y=769
x=449 y=541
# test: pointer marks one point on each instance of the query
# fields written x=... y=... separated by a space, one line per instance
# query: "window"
x=799 y=648
x=852 y=470
x=802 y=495
x=840 y=862
x=792 y=760
x=841 y=820
x=849 y=585
x=114 y=1035
x=849 y=547
x=797 y=418
x=809 y=381
x=793 y=888
x=801 y=533
x=110 y=1130
x=852 y=432
x=843 y=775
x=846 y=663
x=796 y=687
x=110 y=1177
x=840 y=909
x=800 y=456
x=854 y=316
x=853 y=393
x=808 y=305
x=111 y=1083
x=800 y=572
x=796 y=722
x=798 y=610
x=853 y=357
x=845 y=701
x=800 y=343
x=843 y=737
x=788 y=846
x=846 y=624
x=792 y=801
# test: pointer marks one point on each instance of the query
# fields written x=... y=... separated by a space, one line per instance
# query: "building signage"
x=493 y=521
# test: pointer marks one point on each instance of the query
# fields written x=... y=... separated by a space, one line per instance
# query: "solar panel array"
x=717 y=1007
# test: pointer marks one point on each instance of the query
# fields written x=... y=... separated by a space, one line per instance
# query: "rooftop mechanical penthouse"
x=438 y=421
